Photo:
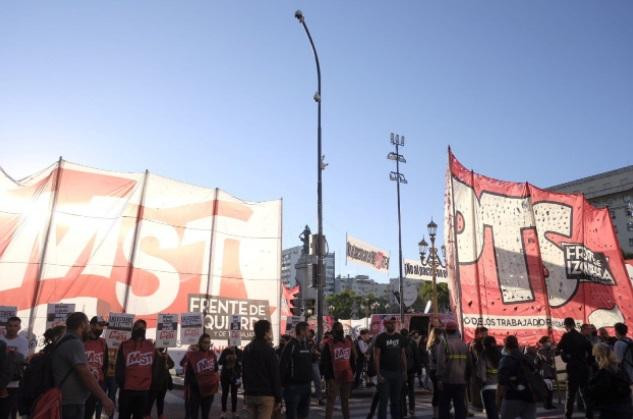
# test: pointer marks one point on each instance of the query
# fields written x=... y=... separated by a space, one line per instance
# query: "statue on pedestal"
x=305 y=239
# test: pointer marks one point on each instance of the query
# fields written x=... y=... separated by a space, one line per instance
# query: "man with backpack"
x=97 y=356
x=71 y=373
x=134 y=365
x=17 y=351
x=623 y=349
x=453 y=369
x=296 y=373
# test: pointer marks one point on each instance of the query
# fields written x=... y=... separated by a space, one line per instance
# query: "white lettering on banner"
x=139 y=358
x=507 y=217
x=205 y=364
x=342 y=353
x=219 y=310
x=515 y=322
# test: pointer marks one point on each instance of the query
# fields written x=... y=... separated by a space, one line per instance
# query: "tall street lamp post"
x=398 y=141
x=320 y=167
x=433 y=260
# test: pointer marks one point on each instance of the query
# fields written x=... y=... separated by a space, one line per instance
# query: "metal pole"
x=434 y=261
x=319 y=251
x=401 y=285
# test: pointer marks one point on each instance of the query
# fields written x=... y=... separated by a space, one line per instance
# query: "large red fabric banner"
x=521 y=259
x=136 y=243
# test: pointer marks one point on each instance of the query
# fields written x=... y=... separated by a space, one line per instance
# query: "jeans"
x=260 y=407
x=73 y=411
x=132 y=404
x=457 y=394
x=573 y=387
x=343 y=390
x=111 y=388
x=489 y=401
x=316 y=378
x=391 y=389
x=512 y=409
x=159 y=398
x=297 y=399
x=228 y=386
x=409 y=393
x=198 y=404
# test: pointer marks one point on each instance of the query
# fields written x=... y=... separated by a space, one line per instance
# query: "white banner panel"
x=367 y=255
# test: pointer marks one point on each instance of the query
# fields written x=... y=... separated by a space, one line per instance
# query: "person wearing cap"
x=97 y=357
x=453 y=370
x=391 y=365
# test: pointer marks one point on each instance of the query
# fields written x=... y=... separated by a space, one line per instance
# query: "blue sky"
x=220 y=94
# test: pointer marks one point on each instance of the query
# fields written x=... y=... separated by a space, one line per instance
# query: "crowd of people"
x=76 y=374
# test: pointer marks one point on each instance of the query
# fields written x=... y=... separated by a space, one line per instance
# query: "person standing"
x=623 y=349
x=391 y=366
x=202 y=378
x=161 y=382
x=453 y=368
x=433 y=346
x=609 y=389
x=475 y=350
x=17 y=352
x=5 y=378
x=71 y=373
x=316 y=371
x=296 y=373
x=97 y=356
x=262 y=384
x=338 y=361
x=546 y=366
x=413 y=364
x=362 y=346
x=231 y=363
x=513 y=393
x=134 y=365
x=575 y=351
x=487 y=371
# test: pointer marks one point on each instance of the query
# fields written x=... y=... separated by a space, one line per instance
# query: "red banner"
x=521 y=259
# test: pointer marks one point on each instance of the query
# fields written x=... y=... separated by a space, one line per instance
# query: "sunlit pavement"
x=359 y=407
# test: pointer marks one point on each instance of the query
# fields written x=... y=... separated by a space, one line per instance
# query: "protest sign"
x=190 y=328
x=119 y=329
x=56 y=314
x=166 y=330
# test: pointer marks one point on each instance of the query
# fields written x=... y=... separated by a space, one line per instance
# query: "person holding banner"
x=134 y=365
x=202 y=378
x=97 y=356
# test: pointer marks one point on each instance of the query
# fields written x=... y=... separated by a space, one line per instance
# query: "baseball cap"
x=98 y=320
x=389 y=320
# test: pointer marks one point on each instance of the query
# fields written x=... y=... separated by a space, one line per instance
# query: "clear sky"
x=219 y=93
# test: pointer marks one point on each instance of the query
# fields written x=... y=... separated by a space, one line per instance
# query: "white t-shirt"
x=18 y=344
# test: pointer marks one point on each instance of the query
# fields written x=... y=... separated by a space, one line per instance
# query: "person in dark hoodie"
x=296 y=373
x=513 y=393
x=486 y=369
x=575 y=351
x=338 y=361
x=161 y=382
x=230 y=377
x=262 y=384
x=609 y=388
x=134 y=365
x=453 y=369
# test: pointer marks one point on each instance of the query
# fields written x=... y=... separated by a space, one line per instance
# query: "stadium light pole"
x=320 y=167
x=398 y=141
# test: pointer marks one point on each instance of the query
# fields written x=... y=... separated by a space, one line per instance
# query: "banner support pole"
x=214 y=215
x=40 y=269
x=130 y=268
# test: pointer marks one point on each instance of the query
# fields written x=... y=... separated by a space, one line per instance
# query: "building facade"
x=363 y=286
x=612 y=190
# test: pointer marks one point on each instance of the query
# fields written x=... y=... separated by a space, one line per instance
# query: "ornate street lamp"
x=433 y=260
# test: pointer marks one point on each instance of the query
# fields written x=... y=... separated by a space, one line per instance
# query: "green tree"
x=426 y=294
x=342 y=305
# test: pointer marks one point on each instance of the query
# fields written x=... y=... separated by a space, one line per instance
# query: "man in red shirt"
x=97 y=356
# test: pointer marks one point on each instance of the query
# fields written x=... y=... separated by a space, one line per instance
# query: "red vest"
x=139 y=357
x=95 y=355
x=204 y=366
x=341 y=354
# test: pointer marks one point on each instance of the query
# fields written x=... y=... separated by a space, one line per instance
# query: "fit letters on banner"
x=522 y=259
x=135 y=243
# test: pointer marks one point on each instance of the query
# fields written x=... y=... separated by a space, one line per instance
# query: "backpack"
x=37 y=380
x=533 y=381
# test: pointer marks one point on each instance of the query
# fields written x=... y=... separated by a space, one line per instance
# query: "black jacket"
x=296 y=363
x=261 y=370
x=511 y=377
x=609 y=387
x=575 y=351
x=231 y=369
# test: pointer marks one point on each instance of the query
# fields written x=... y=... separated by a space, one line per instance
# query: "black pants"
x=457 y=394
x=573 y=387
x=157 y=396
x=227 y=385
x=360 y=366
x=132 y=404
x=198 y=404
x=409 y=392
x=435 y=402
x=489 y=402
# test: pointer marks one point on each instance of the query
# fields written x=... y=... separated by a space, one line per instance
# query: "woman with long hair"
x=230 y=377
x=436 y=337
x=609 y=388
x=486 y=371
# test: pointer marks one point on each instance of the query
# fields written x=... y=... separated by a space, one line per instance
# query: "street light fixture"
x=398 y=141
x=320 y=167
x=433 y=260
